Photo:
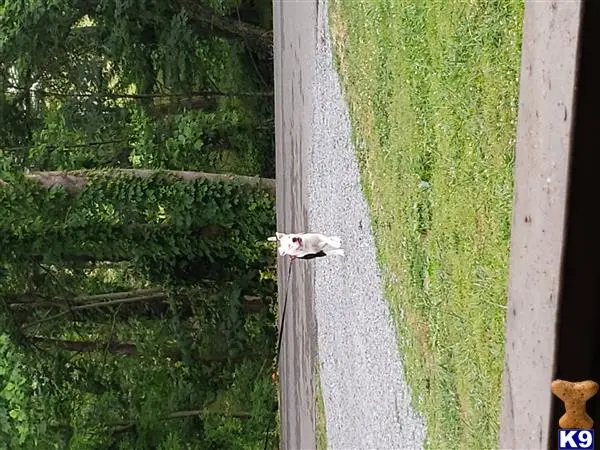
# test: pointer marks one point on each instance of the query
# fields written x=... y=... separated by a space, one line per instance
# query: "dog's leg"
x=334 y=241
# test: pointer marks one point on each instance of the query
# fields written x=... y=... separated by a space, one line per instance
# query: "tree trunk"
x=237 y=415
x=115 y=348
x=113 y=296
x=74 y=181
x=254 y=36
x=252 y=304
x=52 y=147
x=32 y=300
x=119 y=427
x=144 y=298
x=125 y=349
x=80 y=259
x=162 y=109
x=25 y=298
x=140 y=96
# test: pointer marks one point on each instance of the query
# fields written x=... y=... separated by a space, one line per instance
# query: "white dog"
x=307 y=245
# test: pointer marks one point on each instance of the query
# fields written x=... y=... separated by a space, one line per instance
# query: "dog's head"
x=288 y=243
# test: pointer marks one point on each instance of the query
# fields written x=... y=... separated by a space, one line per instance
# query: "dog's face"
x=288 y=243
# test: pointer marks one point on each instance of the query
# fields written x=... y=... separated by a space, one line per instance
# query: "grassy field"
x=432 y=88
x=321 y=426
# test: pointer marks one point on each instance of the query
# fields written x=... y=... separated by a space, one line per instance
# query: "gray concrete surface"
x=294 y=24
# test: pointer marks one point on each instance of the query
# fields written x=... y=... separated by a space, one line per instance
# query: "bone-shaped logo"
x=575 y=396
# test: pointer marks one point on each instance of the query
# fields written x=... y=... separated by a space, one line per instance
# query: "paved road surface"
x=294 y=29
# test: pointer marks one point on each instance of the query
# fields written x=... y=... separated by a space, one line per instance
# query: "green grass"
x=321 y=426
x=432 y=88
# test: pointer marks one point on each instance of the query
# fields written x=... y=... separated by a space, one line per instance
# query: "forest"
x=138 y=291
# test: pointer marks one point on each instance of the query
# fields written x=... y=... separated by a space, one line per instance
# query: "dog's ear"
x=278 y=235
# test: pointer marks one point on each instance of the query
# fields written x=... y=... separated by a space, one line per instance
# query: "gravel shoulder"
x=367 y=401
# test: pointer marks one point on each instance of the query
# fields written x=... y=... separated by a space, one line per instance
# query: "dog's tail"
x=336 y=252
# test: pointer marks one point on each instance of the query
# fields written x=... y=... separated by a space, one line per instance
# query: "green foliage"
x=151 y=220
x=76 y=95
x=124 y=302
x=23 y=416
x=97 y=397
x=58 y=245
x=215 y=141
x=433 y=92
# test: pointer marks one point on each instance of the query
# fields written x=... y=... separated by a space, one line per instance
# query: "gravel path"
x=367 y=401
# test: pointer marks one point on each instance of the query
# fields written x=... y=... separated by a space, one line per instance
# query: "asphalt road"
x=294 y=34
